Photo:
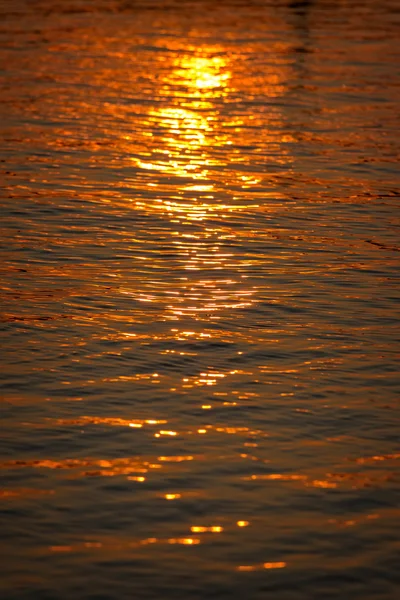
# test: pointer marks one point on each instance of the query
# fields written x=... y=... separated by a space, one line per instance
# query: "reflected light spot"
x=202 y=529
x=174 y=458
x=185 y=541
x=242 y=523
x=274 y=565
x=323 y=484
x=172 y=496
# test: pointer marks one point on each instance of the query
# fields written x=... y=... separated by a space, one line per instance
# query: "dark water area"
x=200 y=299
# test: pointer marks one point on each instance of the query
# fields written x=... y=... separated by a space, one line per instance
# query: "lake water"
x=200 y=299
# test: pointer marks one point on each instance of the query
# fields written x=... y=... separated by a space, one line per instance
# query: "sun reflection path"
x=199 y=185
x=186 y=182
x=186 y=122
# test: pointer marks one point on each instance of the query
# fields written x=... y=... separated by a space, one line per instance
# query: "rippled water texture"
x=200 y=207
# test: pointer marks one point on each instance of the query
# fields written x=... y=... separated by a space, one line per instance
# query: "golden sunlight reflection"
x=195 y=80
x=138 y=470
x=186 y=180
x=202 y=72
x=258 y=567
x=210 y=529
x=243 y=523
x=107 y=545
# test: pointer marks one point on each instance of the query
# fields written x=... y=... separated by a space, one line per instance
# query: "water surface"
x=200 y=208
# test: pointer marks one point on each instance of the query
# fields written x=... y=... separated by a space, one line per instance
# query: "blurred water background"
x=200 y=292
